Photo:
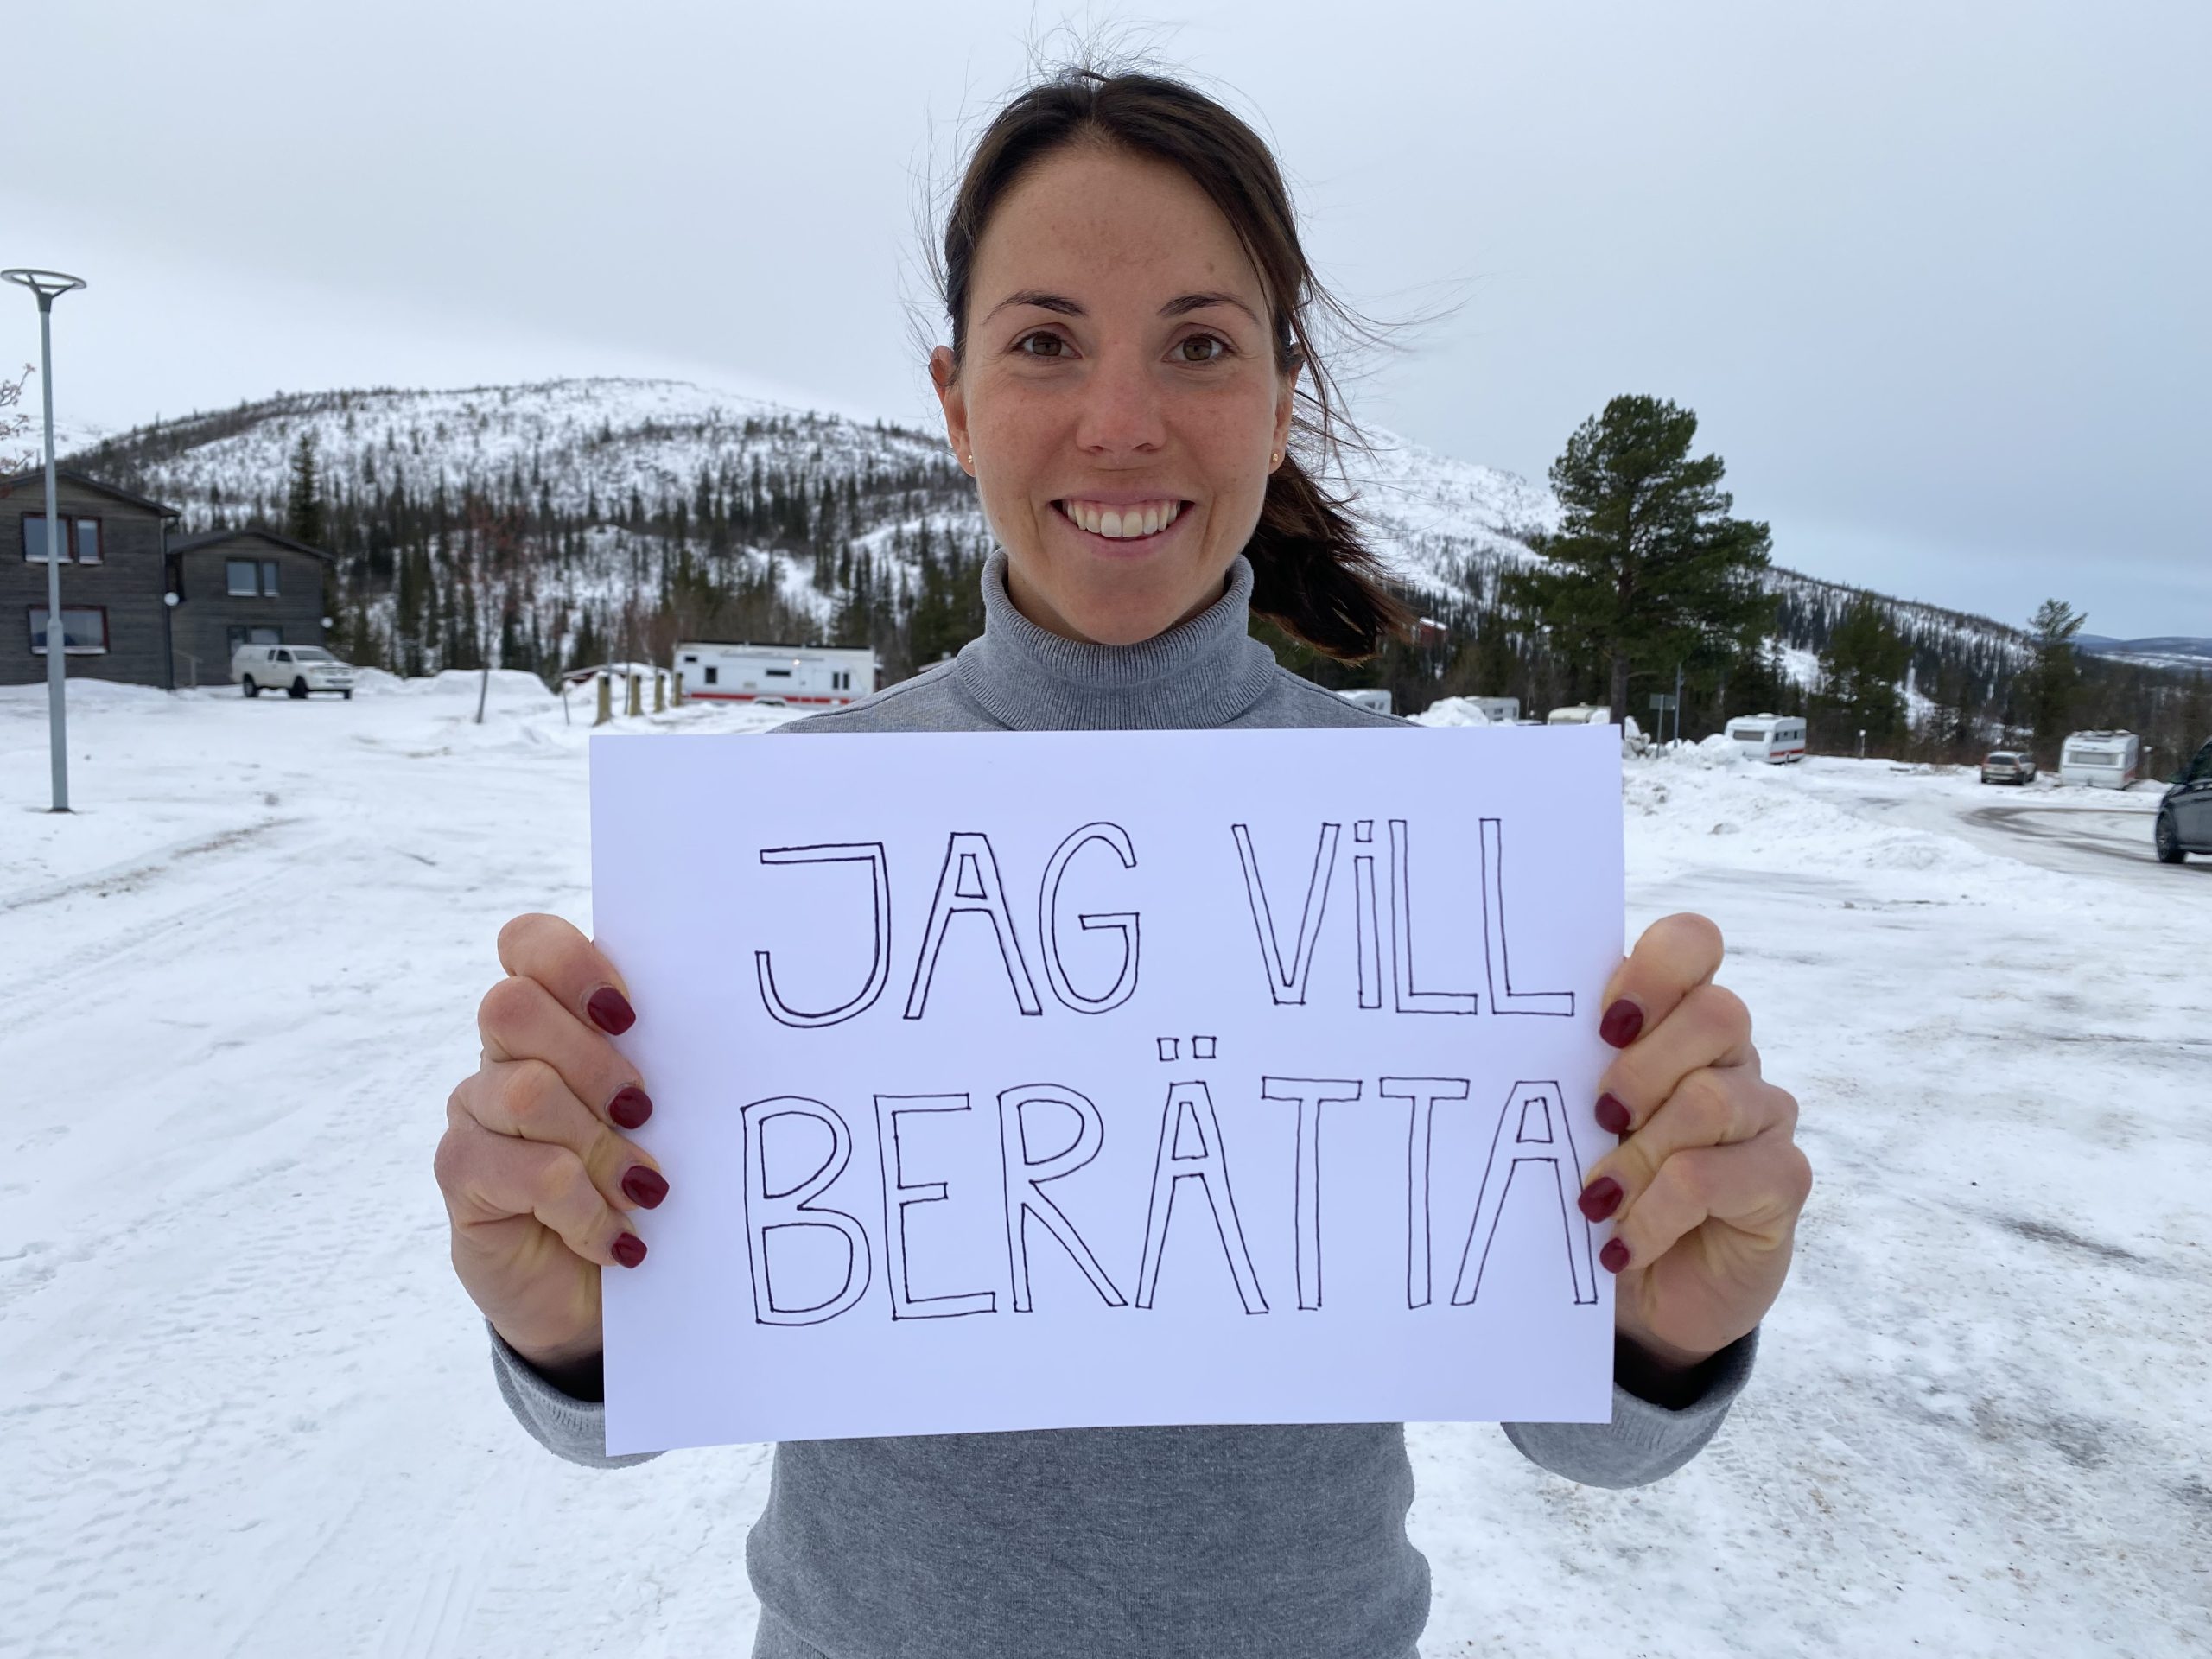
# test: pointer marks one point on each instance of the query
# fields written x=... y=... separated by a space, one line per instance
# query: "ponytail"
x=1312 y=574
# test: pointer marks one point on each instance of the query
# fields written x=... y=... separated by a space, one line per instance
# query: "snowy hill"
x=636 y=468
x=2161 y=651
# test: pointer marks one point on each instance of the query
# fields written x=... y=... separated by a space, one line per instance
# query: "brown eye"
x=1041 y=345
x=1203 y=349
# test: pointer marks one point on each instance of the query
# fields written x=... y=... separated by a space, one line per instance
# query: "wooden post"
x=677 y=698
x=606 y=701
x=660 y=693
x=636 y=705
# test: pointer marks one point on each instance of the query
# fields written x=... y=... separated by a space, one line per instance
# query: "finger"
x=527 y=1100
x=1757 y=1187
x=520 y=1019
x=1675 y=954
x=1709 y=1027
x=489 y=1177
x=1719 y=1106
x=552 y=952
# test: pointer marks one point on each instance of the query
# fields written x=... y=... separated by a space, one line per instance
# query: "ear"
x=1285 y=408
x=944 y=376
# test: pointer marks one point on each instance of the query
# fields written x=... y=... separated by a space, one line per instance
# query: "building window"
x=250 y=578
x=83 y=533
x=84 y=630
x=240 y=635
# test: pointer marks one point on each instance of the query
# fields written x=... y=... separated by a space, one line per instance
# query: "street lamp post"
x=48 y=285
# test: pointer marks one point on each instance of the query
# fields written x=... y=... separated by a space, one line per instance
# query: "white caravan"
x=812 y=676
x=1773 y=739
x=2101 y=760
x=1376 y=697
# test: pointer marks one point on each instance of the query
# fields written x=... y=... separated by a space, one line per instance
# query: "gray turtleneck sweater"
x=1202 y=1542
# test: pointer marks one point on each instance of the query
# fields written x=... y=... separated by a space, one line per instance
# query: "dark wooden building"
x=119 y=569
x=114 y=571
x=242 y=587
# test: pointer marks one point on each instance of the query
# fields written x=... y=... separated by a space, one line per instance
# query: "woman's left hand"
x=1706 y=1181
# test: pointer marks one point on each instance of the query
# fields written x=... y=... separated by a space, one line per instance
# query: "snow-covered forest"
x=553 y=525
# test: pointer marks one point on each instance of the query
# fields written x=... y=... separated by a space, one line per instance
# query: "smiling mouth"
x=1132 y=521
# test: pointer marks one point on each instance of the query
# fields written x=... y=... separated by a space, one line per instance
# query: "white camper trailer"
x=1374 y=697
x=2101 y=760
x=1773 y=739
x=801 y=676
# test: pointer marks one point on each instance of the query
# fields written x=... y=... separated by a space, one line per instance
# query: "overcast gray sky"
x=1935 y=275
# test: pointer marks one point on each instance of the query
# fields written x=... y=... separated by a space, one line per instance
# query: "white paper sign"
x=1039 y=1080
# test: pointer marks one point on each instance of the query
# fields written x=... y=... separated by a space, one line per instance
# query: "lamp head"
x=47 y=284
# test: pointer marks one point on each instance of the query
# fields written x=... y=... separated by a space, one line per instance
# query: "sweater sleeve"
x=563 y=1425
x=1644 y=1442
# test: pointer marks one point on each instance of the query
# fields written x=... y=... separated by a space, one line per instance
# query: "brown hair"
x=1312 y=576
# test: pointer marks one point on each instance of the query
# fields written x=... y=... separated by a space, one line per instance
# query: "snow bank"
x=1451 y=711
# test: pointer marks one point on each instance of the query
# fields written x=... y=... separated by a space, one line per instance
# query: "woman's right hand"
x=537 y=1177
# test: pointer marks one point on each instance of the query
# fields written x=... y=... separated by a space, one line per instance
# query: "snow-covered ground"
x=248 y=1411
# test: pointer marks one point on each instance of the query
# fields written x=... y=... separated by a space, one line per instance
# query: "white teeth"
x=1122 y=523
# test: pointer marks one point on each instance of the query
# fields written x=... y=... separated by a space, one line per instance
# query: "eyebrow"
x=1181 y=305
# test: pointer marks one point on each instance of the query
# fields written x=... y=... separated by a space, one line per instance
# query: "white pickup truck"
x=294 y=669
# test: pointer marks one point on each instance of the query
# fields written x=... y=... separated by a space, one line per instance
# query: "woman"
x=1129 y=311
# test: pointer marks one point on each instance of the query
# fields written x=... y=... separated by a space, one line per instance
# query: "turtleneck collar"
x=1200 y=673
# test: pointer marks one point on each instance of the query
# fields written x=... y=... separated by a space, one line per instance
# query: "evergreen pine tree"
x=1648 y=569
x=1865 y=659
x=304 y=506
x=2045 y=694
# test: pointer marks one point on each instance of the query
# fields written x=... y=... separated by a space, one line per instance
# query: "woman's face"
x=1119 y=405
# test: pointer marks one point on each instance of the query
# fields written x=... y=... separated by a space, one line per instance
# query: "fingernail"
x=629 y=1249
x=1612 y=1258
x=646 y=1187
x=1613 y=1116
x=1623 y=1024
x=630 y=1107
x=611 y=1011
x=1600 y=1198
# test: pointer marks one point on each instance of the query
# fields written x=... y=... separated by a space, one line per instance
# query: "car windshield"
x=2002 y=759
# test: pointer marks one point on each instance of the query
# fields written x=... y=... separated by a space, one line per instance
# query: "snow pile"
x=242 y=1382
x=1451 y=711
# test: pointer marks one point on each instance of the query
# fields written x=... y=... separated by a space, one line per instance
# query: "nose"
x=1122 y=412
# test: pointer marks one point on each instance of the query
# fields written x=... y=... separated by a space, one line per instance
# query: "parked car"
x=2184 y=823
x=2008 y=766
x=294 y=669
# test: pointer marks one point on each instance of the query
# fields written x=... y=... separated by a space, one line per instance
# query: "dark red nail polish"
x=611 y=1011
x=1612 y=1258
x=1600 y=1198
x=643 y=1187
x=629 y=1249
x=631 y=1107
x=1613 y=1116
x=1623 y=1024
